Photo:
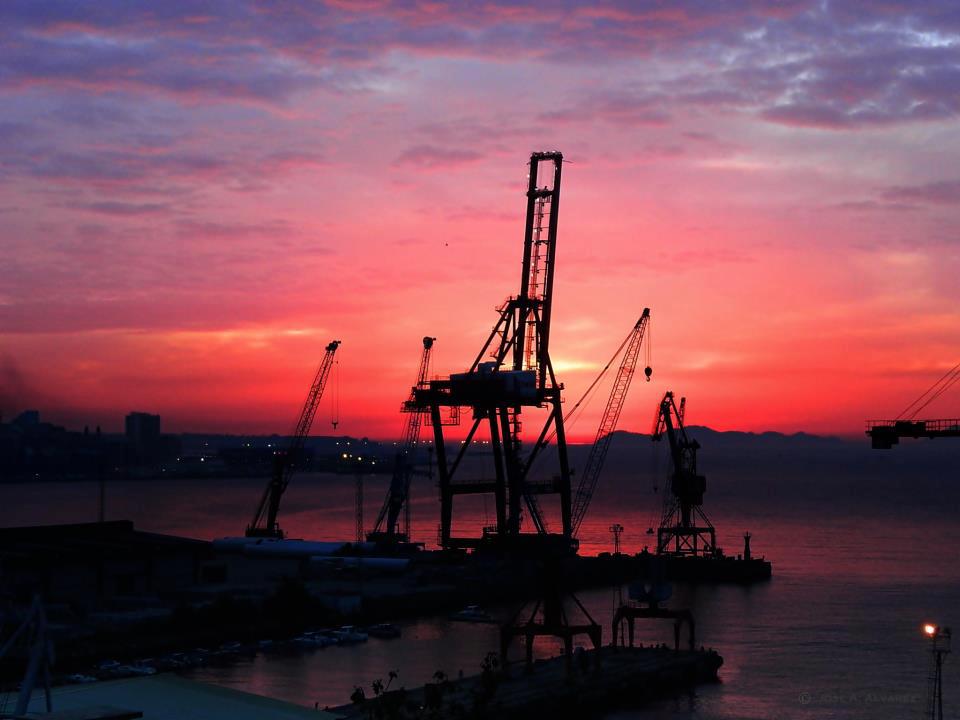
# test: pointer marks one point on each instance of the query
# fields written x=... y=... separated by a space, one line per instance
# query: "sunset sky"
x=196 y=197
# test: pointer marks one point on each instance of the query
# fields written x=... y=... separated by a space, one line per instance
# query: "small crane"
x=398 y=493
x=264 y=522
x=679 y=532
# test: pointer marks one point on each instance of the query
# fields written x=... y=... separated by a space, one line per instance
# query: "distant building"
x=143 y=438
x=27 y=419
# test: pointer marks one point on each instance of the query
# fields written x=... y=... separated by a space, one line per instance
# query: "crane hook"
x=648 y=371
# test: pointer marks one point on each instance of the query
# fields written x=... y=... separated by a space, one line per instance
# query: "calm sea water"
x=859 y=563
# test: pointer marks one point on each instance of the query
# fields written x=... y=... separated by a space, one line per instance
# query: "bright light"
x=929 y=630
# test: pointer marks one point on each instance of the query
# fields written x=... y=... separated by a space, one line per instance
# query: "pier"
x=553 y=687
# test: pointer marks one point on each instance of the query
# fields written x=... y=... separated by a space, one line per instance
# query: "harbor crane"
x=264 y=523
x=608 y=423
x=884 y=434
x=518 y=375
x=387 y=527
x=681 y=532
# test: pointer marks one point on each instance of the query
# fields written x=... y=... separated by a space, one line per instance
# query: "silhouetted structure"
x=387 y=526
x=939 y=646
x=142 y=431
x=884 y=434
x=548 y=616
x=646 y=598
x=611 y=415
x=264 y=523
x=680 y=532
x=95 y=565
x=520 y=375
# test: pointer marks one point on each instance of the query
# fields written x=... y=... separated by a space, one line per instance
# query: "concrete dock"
x=625 y=677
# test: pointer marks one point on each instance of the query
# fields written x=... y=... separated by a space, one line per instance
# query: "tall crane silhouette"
x=518 y=375
x=264 y=523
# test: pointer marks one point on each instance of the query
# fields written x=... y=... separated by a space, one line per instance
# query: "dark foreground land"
x=114 y=593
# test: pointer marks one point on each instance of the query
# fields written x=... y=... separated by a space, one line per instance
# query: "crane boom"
x=264 y=522
x=398 y=494
x=608 y=423
x=884 y=434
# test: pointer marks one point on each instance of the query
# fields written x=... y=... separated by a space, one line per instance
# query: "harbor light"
x=939 y=646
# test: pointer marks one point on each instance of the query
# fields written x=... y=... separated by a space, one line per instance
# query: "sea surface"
x=861 y=560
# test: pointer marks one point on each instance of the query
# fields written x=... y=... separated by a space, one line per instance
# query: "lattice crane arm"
x=264 y=522
x=398 y=493
x=669 y=420
x=608 y=423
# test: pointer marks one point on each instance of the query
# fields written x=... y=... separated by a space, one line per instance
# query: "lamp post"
x=617 y=530
x=939 y=646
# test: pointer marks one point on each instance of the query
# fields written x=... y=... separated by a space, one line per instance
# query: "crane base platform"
x=716 y=569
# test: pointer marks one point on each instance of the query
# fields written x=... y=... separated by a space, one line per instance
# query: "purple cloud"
x=946 y=192
x=432 y=157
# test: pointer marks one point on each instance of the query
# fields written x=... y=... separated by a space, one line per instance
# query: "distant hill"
x=818 y=472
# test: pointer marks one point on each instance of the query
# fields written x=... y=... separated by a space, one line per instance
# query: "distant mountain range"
x=799 y=469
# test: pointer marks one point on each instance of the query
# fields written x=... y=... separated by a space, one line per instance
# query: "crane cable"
x=945 y=382
x=569 y=420
x=335 y=400
x=950 y=383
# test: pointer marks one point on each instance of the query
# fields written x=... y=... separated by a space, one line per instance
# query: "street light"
x=617 y=530
x=939 y=646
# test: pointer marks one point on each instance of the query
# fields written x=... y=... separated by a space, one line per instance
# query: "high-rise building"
x=143 y=437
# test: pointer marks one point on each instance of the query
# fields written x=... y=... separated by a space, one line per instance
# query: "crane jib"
x=611 y=415
x=265 y=518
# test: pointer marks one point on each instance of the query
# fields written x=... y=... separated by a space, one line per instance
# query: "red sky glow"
x=194 y=200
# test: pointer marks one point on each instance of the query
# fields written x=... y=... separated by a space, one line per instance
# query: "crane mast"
x=679 y=532
x=398 y=494
x=264 y=523
x=608 y=423
x=518 y=374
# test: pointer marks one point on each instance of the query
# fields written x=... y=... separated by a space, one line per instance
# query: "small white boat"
x=384 y=631
x=311 y=641
x=348 y=635
x=472 y=613
x=80 y=679
x=136 y=670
